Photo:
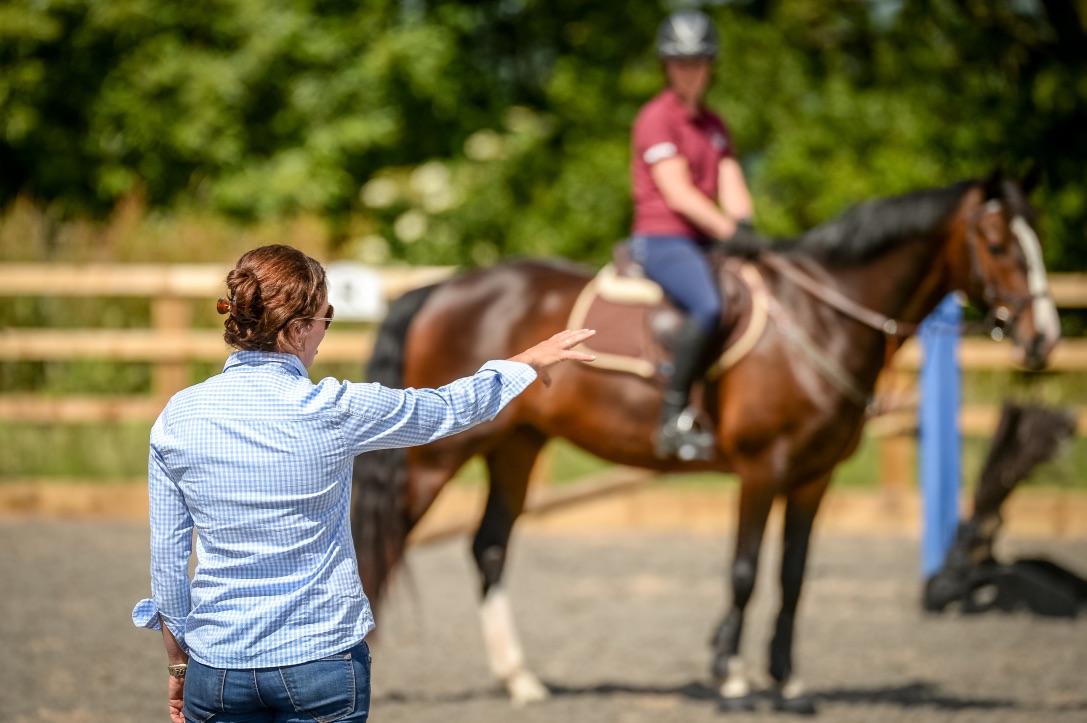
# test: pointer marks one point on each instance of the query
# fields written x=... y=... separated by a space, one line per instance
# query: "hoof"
x=525 y=688
x=800 y=705
x=737 y=704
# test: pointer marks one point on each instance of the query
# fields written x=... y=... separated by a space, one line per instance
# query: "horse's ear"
x=992 y=185
x=1031 y=178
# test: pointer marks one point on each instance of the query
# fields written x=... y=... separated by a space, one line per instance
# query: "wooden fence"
x=170 y=344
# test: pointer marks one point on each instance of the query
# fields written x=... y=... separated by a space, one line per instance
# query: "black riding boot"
x=678 y=435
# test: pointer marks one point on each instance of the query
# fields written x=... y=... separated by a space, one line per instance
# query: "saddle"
x=636 y=324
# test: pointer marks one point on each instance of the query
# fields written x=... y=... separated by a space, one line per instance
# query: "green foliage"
x=495 y=128
x=455 y=132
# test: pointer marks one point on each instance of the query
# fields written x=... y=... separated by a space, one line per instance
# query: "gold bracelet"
x=177 y=670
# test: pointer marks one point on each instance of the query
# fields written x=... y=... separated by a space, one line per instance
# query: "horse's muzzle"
x=1034 y=355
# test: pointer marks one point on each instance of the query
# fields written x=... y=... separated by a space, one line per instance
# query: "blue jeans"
x=336 y=688
x=679 y=265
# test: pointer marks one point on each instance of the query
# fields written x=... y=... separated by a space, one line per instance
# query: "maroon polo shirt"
x=664 y=129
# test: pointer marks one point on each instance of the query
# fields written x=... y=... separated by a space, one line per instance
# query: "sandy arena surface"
x=617 y=624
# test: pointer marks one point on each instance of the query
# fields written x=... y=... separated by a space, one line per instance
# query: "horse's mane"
x=872 y=227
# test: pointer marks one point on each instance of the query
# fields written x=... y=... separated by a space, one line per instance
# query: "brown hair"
x=272 y=291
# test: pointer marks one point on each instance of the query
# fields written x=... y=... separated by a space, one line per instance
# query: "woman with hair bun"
x=257 y=461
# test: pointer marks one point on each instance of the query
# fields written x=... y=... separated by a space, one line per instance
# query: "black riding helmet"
x=688 y=34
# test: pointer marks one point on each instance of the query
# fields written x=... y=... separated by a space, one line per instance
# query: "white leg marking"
x=1045 y=311
x=504 y=649
x=792 y=688
x=736 y=684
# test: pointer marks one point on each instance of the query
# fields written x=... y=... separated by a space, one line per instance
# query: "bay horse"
x=785 y=415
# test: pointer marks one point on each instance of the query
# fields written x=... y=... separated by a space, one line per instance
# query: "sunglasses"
x=326 y=319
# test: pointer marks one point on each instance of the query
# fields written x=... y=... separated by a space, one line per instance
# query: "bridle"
x=1004 y=307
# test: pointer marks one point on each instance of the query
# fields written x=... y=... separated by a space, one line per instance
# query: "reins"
x=828 y=367
x=831 y=370
x=896 y=330
x=1004 y=308
x=836 y=299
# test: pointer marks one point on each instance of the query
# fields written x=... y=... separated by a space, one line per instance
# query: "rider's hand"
x=744 y=242
x=558 y=348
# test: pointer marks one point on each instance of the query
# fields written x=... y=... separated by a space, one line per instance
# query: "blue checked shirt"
x=258 y=461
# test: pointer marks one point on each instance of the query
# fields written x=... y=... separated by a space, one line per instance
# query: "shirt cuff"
x=146 y=615
x=518 y=372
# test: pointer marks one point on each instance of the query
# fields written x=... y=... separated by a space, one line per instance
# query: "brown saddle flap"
x=636 y=324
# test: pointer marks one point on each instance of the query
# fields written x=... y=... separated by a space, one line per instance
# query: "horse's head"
x=1008 y=276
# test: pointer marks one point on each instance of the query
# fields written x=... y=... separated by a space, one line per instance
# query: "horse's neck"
x=906 y=283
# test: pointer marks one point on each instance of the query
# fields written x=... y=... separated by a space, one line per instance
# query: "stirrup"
x=684 y=438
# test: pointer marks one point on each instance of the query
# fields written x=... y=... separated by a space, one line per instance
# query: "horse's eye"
x=997 y=249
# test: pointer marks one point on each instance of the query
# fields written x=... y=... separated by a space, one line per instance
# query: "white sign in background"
x=356 y=291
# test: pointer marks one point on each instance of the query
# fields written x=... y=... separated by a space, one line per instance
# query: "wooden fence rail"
x=170 y=344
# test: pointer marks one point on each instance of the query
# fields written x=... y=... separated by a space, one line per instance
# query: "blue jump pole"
x=940 y=440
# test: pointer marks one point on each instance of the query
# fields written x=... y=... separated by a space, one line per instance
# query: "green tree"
x=447 y=131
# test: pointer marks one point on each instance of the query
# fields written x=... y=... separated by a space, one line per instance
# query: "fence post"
x=169 y=313
x=940 y=440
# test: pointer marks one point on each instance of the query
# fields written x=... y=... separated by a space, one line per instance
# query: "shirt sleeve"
x=381 y=418
x=654 y=138
x=171 y=547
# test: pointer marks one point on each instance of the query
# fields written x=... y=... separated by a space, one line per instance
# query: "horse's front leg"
x=728 y=667
x=509 y=466
x=800 y=510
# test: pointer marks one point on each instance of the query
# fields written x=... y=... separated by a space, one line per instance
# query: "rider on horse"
x=689 y=192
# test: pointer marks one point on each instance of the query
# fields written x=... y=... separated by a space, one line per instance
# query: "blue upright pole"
x=940 y=443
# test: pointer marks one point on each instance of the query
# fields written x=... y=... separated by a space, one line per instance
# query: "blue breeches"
x=679 y=265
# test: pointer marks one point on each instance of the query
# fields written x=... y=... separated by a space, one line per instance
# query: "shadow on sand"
x=918 y=694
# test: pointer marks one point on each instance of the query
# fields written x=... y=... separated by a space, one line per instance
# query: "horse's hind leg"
x=728 y=667
x=509 y=465
x=800 y=510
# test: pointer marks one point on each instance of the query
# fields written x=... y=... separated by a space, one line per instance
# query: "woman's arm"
x=381 y=418
x=175 y=686
x=171 y=547
x=732 y=191
x=673 y=178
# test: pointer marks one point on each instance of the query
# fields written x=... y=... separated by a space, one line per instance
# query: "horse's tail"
x=379 y=518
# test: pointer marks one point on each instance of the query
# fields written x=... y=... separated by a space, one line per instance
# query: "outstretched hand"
x=558 y=348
